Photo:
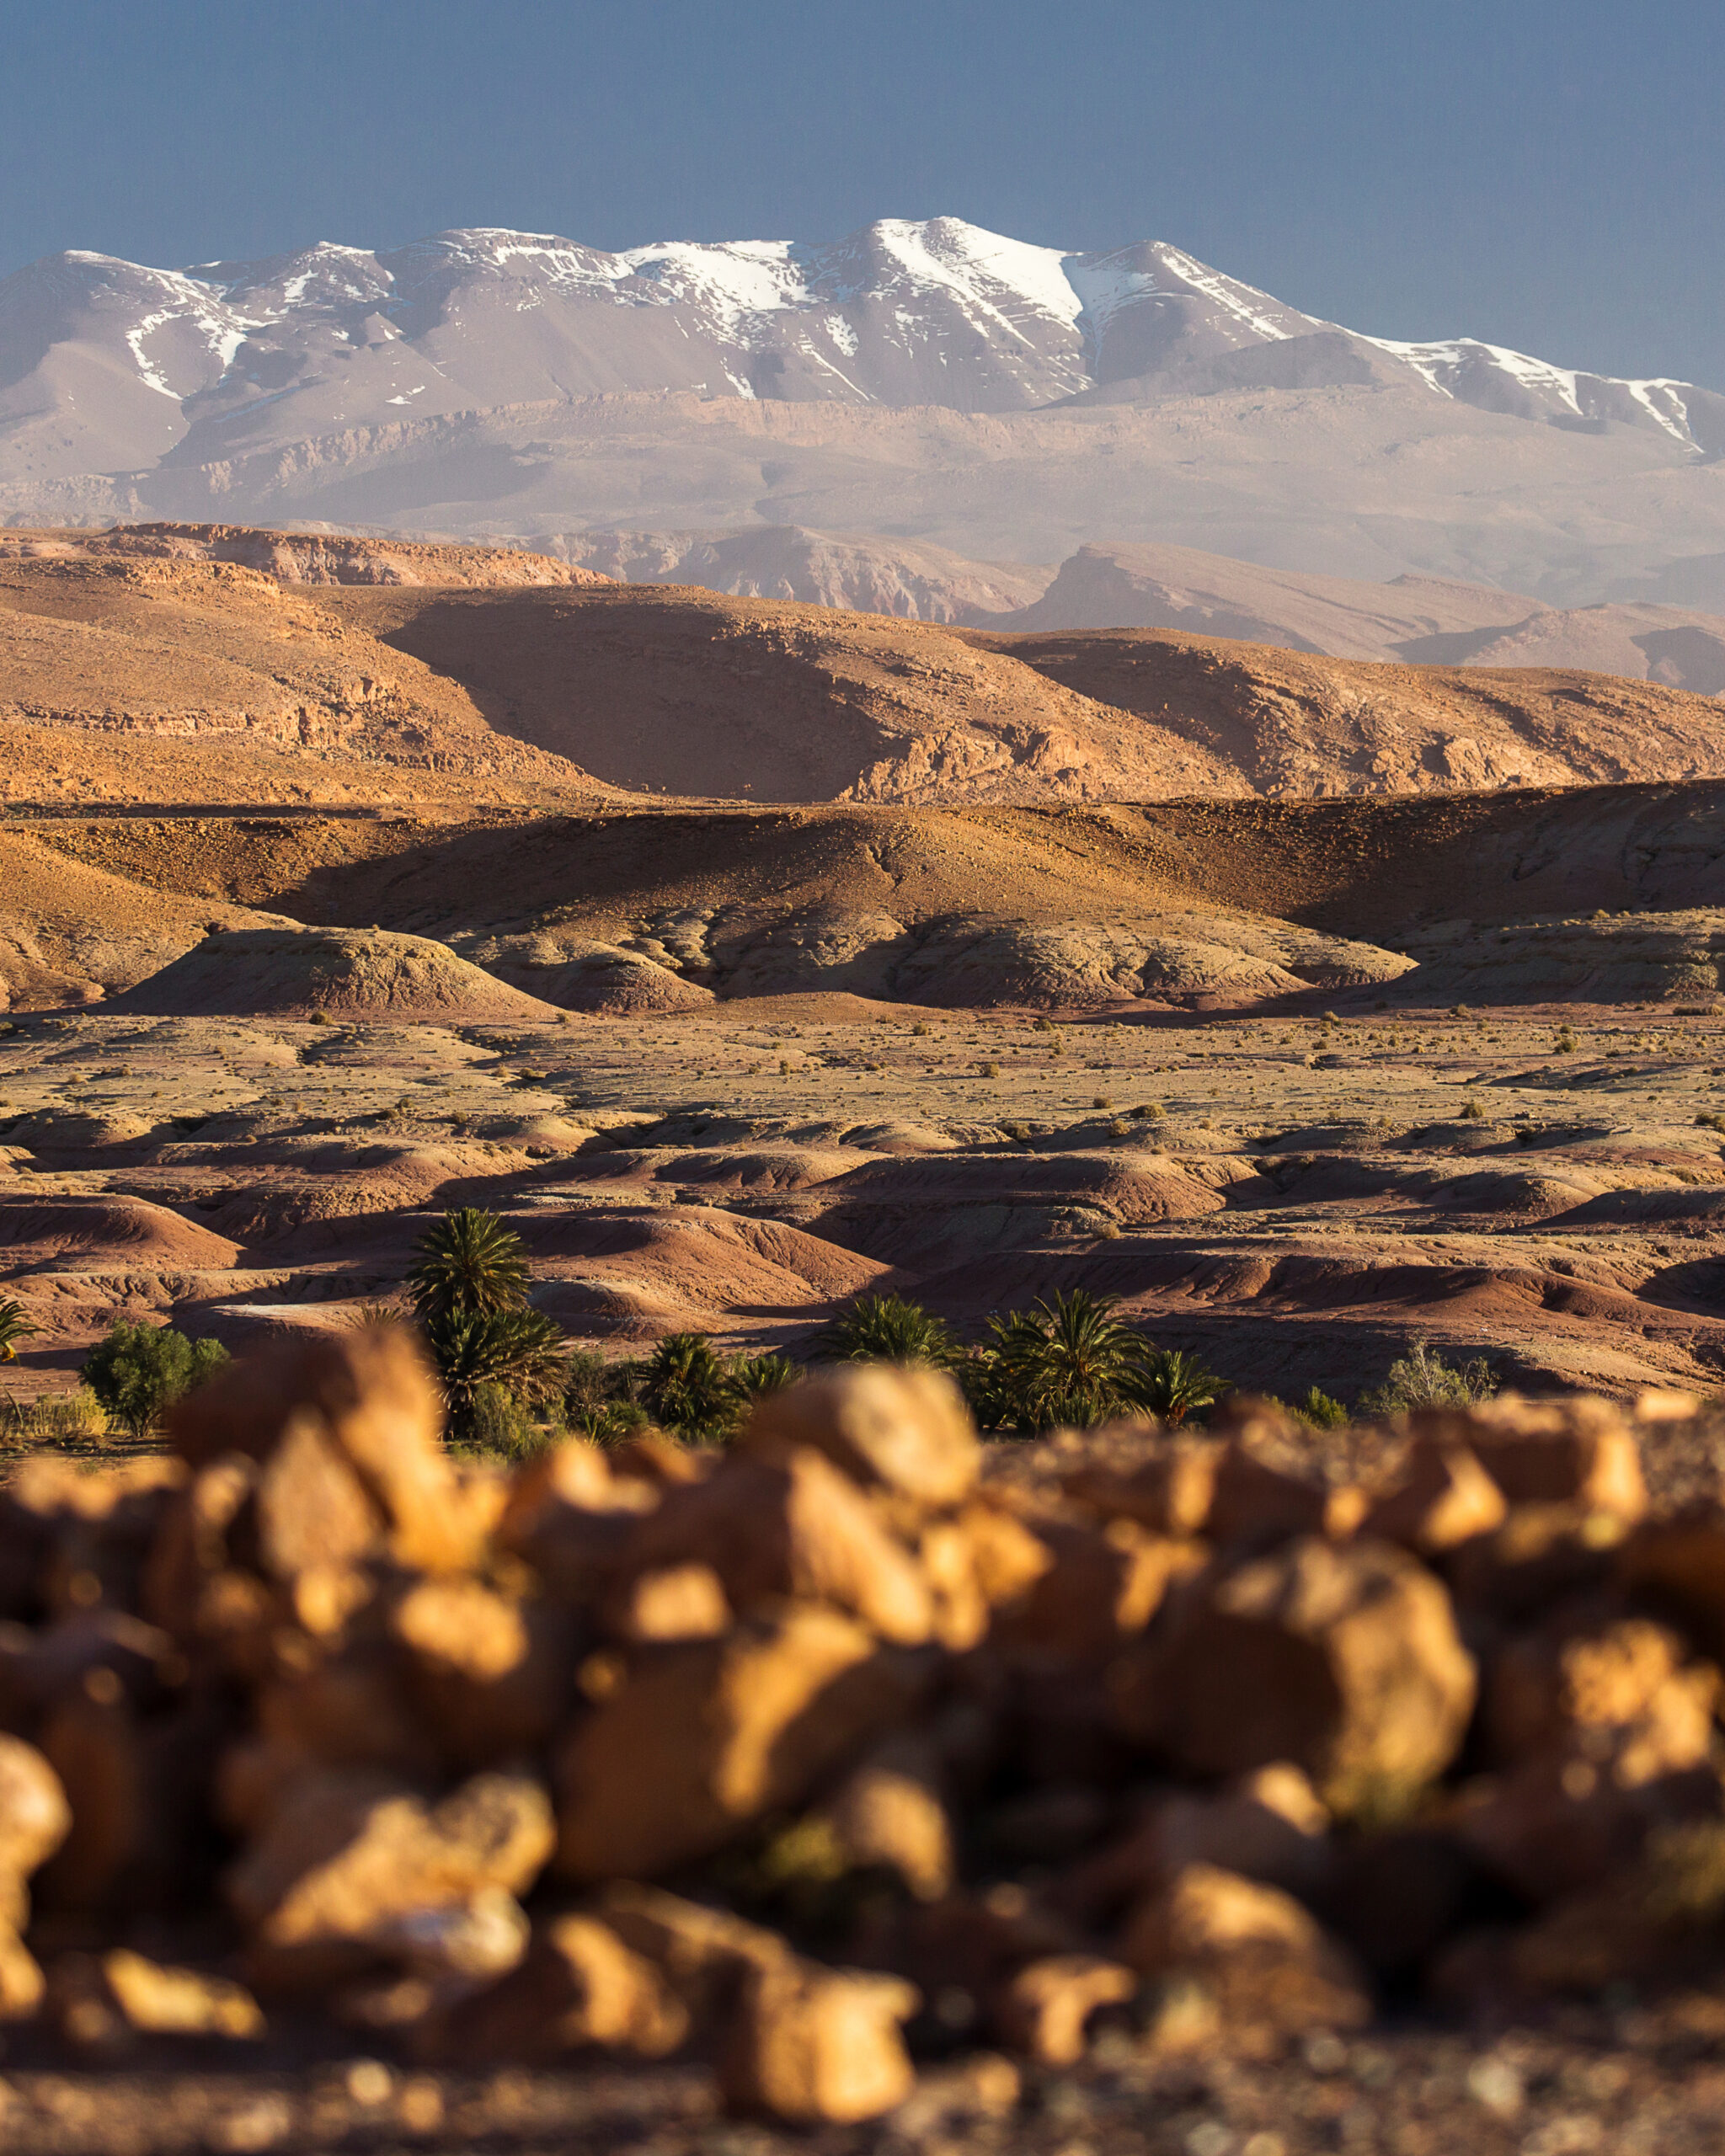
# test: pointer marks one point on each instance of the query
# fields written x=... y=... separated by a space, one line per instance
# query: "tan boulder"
x=1581 y=1451
x=788 y=1524
x=964 y=1949
x=491 y=1672
x=1556 y=1825
x=694 y=1741
x=345 y=1859
x=1345 y=1660
x=157 y=2000
x=1261 y=1956
x=93 y=1744
x=810 y=2045
x=1445 y=1497
x=1654 y=1921
x=1100 y=1588
x=1678 y=1566
x=71 y=1538
x=569 y=1514
x=195 y=1582
x=348 y=1708
x=1257 y=1503
x=457 y=1943
x=981 y=1560
x=1269 y=1825
x=312 y=1507
x=1600 y=1685
x=1169 y=1493
x=702 y=1953
x=22 y=1984
x=890 y=1812
x=1542 y=1554
x=904 y=1432
x=578 y=1986
x=34 y=1820
x=671 y=1601
x=373 y=1406
x=1044 y=2009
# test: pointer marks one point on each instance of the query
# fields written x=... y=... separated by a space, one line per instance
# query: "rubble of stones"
x=856 y=1745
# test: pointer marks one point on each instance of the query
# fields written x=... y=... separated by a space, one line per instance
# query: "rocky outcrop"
x=452 y=1727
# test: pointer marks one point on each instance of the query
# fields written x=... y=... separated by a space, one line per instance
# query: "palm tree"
x=520 y=1349
x=1174 y=1383
x=757 y=1375
x=690 y=1390
x=469 y=1264
x=890 y=1329
x=14 y=1327
x=1070 y=1362
x=468 y=1287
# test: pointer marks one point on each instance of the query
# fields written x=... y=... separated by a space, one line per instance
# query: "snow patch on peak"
x=1251 y=308
x=1108 y=285
x=732 y=279
x=979 y=267
x=1441 y=363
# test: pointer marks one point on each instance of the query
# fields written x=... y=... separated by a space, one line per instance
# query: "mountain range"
x=928 y=382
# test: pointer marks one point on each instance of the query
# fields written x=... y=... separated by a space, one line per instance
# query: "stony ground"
x=1638 y=2080
x=1294 y=1198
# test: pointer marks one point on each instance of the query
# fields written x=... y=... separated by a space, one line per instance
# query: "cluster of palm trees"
x=1068 y=1363
x=1072 y=1361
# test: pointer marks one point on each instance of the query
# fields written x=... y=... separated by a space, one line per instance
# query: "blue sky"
x=1548 y=176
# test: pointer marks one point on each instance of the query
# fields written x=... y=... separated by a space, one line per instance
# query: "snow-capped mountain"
x=937 y=313
x=487 y=380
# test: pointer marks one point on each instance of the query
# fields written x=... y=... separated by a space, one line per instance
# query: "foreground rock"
x=814 y=1756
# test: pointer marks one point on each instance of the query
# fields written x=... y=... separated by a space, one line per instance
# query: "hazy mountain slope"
x=950 y=386
x=1427 y=619
x=863 y=575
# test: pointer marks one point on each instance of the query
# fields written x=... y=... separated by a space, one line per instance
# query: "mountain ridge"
x=1052 y=325
x=930 y=382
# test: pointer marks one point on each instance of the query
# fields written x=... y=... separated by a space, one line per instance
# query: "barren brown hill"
x=680 y=690
x=1063 y=905
x=299 y=556
x=443 y=665
x=1431 y=620
x=1293 y=723
x=213 y=672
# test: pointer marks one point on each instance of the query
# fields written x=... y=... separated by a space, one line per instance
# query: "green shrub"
x=1321 y=1410
x=469 y=1263
x=1422 y=1378
x=14 y=1327
x=468 y=1287
x=518 y=1349
x=1174 y=1383
x=755 y=1376
x=138 y=1370
x=498 y=1423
